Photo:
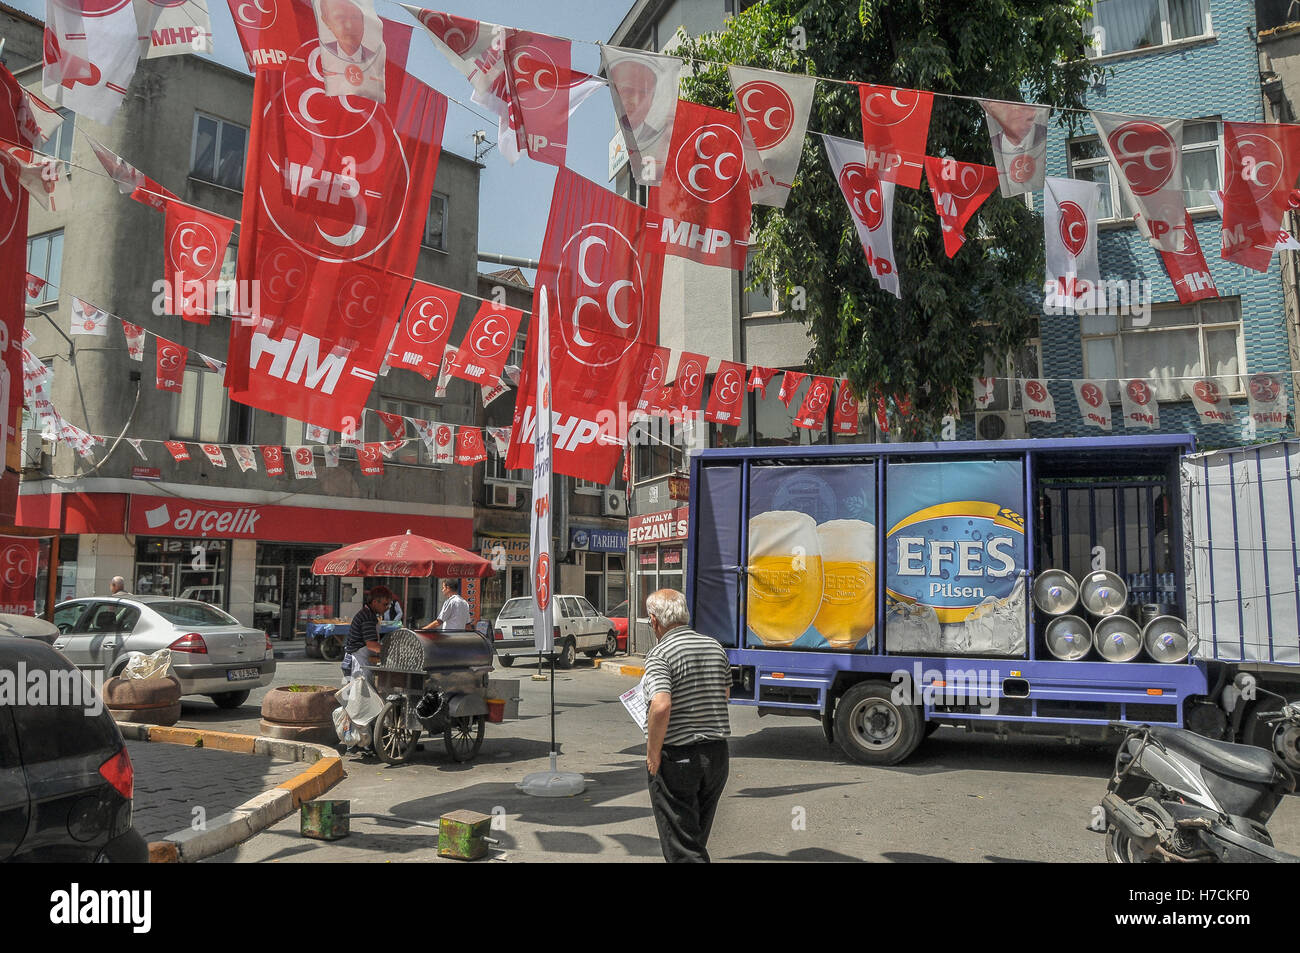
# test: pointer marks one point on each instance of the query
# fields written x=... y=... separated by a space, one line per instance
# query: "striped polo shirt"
x=694 y=670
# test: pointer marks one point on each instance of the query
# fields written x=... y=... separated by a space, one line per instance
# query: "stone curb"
x=255 y=814
x=619 y=668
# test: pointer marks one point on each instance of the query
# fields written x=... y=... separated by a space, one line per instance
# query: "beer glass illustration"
x=848 y=609
x=785 y=575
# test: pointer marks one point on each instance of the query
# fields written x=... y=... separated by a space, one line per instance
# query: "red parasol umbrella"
x=406 y=555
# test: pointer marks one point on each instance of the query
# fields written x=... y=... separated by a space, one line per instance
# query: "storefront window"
x=286 y=595
x=183 y=568
x=420 y=603
x=67 y=571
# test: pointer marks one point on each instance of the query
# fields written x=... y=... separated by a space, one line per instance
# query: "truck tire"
x=872 y=728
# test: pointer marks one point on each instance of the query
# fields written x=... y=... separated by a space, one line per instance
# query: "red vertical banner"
x=469 y=447
x=727 y=398
x=178 y=451
x=194 y=246
x=371 y=458
x=688 y=386
x=759 y=378
x=171 y=364
x=19 y=558
x=335 y=202
x=846 y=411
x=790 y=382
x=895 y=126
x=422 y=334
x=482 y=354
x=273 y=457
x=811 y=414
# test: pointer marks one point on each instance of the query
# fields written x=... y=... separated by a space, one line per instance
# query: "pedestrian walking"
x=687 y=686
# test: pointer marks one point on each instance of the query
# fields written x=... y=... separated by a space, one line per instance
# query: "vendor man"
x=362 y=643
x=454 y=614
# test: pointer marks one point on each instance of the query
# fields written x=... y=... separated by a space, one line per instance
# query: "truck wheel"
x=872 y=728
x=506 y=660
x=1281 y=739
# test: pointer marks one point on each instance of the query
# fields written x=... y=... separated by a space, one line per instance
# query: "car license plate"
x=239 y=674
x=523 y=632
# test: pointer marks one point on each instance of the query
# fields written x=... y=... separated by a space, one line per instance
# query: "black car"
x=66 y=780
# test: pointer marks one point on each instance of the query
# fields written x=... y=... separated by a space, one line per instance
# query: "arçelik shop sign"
x=152 y=516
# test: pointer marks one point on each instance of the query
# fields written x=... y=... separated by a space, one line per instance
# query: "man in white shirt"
x=454 y=614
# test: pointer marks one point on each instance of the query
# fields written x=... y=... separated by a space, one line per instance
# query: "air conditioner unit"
x=614 y=503
x=502 y=495
x=33 y=449
x=999 y=425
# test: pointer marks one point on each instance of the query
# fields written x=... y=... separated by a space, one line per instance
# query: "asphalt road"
x=790 y=796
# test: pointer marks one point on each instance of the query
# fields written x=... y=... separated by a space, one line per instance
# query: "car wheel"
x=506 y=660
x=611 y=645
x=568 y=653
x=463 y=737
x=331 y=647
x=873 y=728
x=229 y=699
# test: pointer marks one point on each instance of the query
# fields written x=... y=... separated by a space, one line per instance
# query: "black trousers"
x=684 y=796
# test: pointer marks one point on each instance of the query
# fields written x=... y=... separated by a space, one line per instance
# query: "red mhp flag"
x=482 y=354
x=702 y=210
x=790 y=382
x=371 y=459
x=171 y=364
x=688 y=384
x=759 y=377
x=1260 y=165
x=395 y=423
x=177 y=450
x=727 y=398
x=13 y=287
x=959 y=189
x=194 y=246
x=1187 y=267
x=18 y=559
x=271 y=30
x=335 y=202
x=422 y=334
x=895 y=125
x=882 y=414
x=34 y=285
x=811 y=414
x=469 y=446
x=273 y=457
x=542 y=87
x=651 y=374
x=846 y=411
x=602 y=291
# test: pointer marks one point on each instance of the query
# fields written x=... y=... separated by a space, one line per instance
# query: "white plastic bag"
x=350 y=733
x=360 y=701
x=154 y=665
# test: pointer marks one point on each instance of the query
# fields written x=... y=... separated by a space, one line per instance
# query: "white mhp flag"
x=1036 y=401
x=871 y=205
x=331 y=455
x=304 y=465
x=1070 y=237
x=168 y=28
x=214 y=455
x=91 y=50
x=774 y=109
x=1094 y=407
x=644 y=89
x=87 y=319
x=1018 y=134
x=1138 y=404
x=1148 y=153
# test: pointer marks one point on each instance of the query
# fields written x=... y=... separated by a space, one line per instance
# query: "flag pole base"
x=552 y=783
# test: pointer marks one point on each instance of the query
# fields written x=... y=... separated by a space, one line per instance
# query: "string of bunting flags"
x=343 y=150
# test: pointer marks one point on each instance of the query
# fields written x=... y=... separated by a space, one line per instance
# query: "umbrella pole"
x=406 y=585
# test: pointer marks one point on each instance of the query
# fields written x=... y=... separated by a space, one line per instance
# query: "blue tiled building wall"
x=1218 y=77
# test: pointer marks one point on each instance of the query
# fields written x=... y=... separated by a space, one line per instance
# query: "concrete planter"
x=150 y=701
x=302 y=715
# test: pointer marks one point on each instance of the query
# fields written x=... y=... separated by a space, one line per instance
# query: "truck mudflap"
x=828 y=725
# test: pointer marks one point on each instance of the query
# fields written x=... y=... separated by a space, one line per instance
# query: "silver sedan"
x=212 y=653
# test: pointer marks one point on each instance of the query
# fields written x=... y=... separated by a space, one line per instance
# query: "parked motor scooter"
x=1179 y=797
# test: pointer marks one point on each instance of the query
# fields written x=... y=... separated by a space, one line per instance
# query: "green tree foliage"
x=929 y=344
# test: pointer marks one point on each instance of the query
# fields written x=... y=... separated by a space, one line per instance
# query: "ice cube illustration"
x=912 y=627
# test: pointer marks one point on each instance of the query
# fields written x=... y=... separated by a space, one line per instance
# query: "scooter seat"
x=1243 y=762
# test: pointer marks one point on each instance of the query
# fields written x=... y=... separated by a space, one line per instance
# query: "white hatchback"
x=578 y=628
x=212 y=653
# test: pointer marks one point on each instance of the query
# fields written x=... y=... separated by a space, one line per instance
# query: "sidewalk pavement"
x=177 y=786
x=630 y=666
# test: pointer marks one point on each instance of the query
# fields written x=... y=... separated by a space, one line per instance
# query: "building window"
x=45 y=261
x=219 y=150
x=227 y=291
x=1181 y=343
x=1119 y=26
x=755 y=295
x=1202 y=151
x=517 y=352
x=653 y=457
x=495 y=469
x=1007 y=371
x=435 y=228
x=587 y=486
x=295 y=432
x=200 y=407
x=60 y=142
x=774 y=422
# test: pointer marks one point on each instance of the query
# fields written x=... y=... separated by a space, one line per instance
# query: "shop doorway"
x=286 y=594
